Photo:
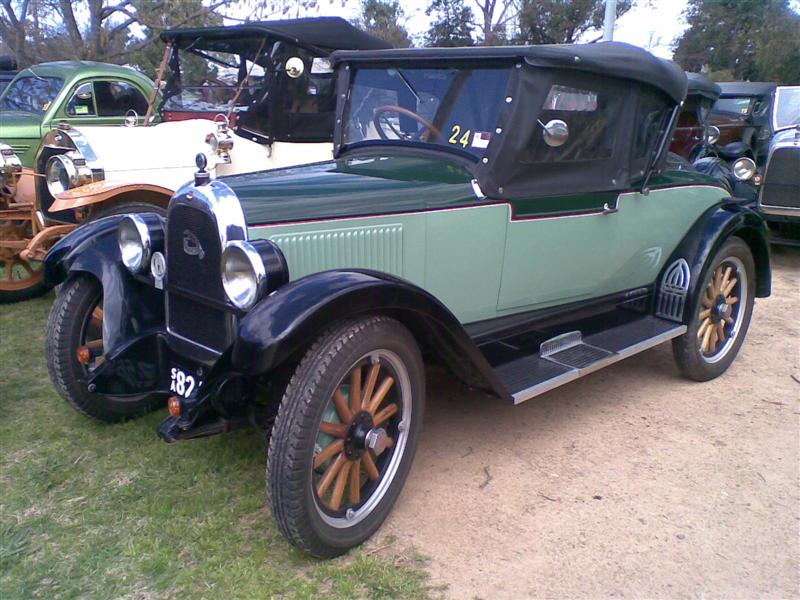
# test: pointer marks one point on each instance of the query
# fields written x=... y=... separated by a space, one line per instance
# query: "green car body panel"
x=482 y=258
x=23 y=131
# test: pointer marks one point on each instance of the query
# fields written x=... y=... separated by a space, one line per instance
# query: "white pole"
x=608 y=22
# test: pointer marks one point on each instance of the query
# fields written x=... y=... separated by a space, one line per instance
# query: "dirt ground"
x=631 y=482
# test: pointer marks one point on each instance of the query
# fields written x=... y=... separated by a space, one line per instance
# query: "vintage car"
x=8 y=70
x=271 y=104
x=692 y=132
x=742 y=115
x=503 y=212
x=779 y=200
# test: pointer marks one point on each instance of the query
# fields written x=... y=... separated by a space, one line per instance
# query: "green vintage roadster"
x=503 y=212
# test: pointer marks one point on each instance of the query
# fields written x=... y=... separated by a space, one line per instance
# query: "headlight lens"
x=134 y=243
x=744 y=168
x=66 y=171
x=243 y=274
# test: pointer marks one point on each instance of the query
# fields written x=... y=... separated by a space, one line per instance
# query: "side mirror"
x=711 y=134
x=295 y=67
x=555 y=133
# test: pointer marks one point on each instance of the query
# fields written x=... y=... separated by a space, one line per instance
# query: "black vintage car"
x=504 y=212
x=742 y=114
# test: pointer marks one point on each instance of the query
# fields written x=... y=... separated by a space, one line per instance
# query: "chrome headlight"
x=135 y=244
x=221 y=142
x=744 y=168
x=66 y=171
x=244 y=276
x=10 y=165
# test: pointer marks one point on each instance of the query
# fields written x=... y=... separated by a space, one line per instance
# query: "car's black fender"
x=130 y=306
x=709 y=232
x=283 y=325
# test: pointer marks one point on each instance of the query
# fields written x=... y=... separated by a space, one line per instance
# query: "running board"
x=569 y=356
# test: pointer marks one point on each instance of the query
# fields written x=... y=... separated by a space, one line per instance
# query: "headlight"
x=243 y=274
x=10 y=165
x=134 y=243
x=66 y=171
x=744 y=168
x=221 y=142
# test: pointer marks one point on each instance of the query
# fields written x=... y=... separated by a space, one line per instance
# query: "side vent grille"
x=672 y=294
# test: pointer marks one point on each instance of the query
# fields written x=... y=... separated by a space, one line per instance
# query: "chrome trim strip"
x=574 y=374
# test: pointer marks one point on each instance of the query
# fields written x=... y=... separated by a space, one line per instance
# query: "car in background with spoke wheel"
x=507 y=213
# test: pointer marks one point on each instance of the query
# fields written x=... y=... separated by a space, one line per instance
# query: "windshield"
x=787 y=107
x=740 y=106
x=444 y=107
x=31 y=93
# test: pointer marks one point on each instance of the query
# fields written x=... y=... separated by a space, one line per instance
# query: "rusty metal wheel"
x=20 y=279
x=345 y=435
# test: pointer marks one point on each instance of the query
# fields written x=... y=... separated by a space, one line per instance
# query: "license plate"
x=183 y=383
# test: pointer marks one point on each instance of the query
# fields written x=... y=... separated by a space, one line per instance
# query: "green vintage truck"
x=507 y=213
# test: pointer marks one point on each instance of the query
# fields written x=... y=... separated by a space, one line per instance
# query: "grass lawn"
x=97 y=511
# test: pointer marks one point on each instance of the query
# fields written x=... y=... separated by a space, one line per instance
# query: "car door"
x=104 y=101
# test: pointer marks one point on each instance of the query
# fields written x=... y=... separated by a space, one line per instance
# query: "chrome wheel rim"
x=349 y=477
x=722 y=309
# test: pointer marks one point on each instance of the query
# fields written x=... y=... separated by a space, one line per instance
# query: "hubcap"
x=360 y=441
x=721 y=310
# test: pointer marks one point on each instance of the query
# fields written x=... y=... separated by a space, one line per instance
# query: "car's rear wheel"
x=76 y=322
x=724 y=307
x=345 y=435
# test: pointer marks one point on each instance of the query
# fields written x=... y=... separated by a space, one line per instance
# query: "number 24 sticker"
x=457 y=138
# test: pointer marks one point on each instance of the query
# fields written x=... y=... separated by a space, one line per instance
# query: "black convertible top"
x=747 y=88
x=701 y=85
x=614 y=59
x=319 y=33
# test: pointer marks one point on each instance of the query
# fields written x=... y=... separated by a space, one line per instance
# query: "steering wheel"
x=378 y=118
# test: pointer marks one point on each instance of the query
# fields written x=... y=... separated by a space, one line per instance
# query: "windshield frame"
x=34 y=75
x=778 y=91
x=345 y=83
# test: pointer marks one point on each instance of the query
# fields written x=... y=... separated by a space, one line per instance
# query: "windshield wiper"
x=408 y=84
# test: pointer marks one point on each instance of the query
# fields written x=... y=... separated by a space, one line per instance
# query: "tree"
x=37 y=30
x=494 y=18
x=751 y=39
x=453 y=24
x=561 y=21
x=383 y=19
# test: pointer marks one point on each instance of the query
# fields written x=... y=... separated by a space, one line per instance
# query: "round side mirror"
x=295 y=67
x=711 y=134
x=555 y=133
x=131 y=118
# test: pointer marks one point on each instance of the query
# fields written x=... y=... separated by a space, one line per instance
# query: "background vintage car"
x=690 y=134
x=742 y=114
x=8 y=70
x=504 y=212
x=279 y=107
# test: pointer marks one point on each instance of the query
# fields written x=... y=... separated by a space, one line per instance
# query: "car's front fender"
x=287 y=322
x=130 y=306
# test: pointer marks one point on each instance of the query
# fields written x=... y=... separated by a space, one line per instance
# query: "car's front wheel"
x=76 y=323
x=345 y=435
x=724 y=306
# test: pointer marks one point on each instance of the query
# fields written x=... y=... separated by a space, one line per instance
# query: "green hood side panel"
x=23 y=132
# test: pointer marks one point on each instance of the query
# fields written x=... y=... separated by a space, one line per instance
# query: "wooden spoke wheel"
x=17 y=275
x=345 y=435
x=360 y=438
x=722 y=306
x=720 y=313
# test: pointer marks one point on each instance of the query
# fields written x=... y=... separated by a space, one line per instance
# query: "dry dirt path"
x=631 y=482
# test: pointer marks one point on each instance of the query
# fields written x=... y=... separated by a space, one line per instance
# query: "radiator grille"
x=197 y=274
x=781 y=185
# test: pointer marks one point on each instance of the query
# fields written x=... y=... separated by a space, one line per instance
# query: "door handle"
x=609 y=210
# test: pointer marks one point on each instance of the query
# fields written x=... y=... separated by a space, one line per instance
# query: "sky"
x=651 y=24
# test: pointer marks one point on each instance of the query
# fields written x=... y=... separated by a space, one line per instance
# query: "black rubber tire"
x=291 y=448
x=77 y=297
x=685 y=348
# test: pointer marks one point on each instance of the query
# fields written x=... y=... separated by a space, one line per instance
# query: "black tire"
x=301 y=513
x=688 y=349
x=66 y=331
x=125 y=208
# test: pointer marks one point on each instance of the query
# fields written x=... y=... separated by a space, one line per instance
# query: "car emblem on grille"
x=191 y=245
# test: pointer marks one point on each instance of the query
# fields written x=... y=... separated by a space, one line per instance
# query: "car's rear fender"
x=286 y=323
x=731 y=218
x=130 y=306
